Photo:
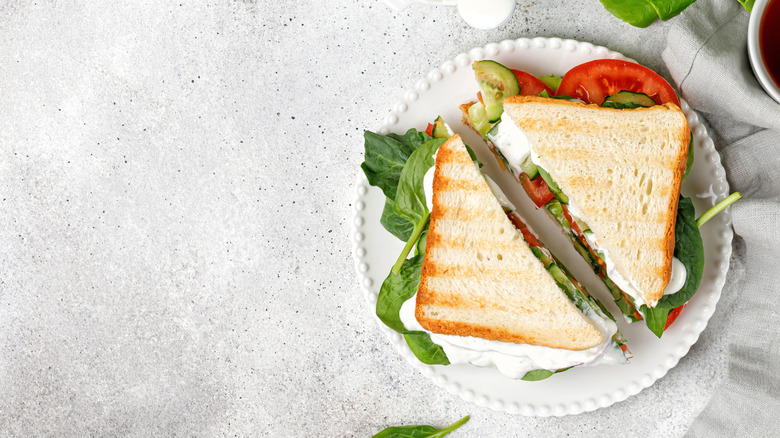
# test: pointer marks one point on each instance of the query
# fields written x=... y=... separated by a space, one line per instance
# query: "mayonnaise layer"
x=515 y=360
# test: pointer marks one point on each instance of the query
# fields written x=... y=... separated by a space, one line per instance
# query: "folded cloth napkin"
x=707 y=57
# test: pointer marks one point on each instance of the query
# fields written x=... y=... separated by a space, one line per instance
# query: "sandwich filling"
x=515 y=152
x=516 y=360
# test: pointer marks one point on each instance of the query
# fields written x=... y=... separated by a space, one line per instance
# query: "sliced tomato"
x=673 y=315
x=572 y=223
x=594 y=81
x=530 y=238
x=429 y=130
x=529 y=84
x=537 y=189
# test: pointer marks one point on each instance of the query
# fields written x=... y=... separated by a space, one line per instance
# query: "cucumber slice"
x=439 y=130
x=479 y=119
x=542 y=257
x=557 y=274
x=627 y=99
x=530 y=169
x=553 y=187
x=552 y=81
x=497 y=83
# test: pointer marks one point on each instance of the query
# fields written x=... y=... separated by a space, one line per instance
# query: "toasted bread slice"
x=479 y=278
x=622 y=171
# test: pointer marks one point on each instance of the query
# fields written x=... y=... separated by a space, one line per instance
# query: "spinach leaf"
x=420 y=431
x=642 y=13
x=426 y=351
x=410 y=196
x=689 y=249
x=385 y=157
x=536 y=375
x=655 y=318
x=396 y=289
x=689 y=163
x=404 y=279
x=396 y=225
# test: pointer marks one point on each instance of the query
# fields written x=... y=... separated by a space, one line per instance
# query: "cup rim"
x=754 y=52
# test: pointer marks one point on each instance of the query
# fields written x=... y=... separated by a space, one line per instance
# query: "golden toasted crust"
x=479 y=278
x=629 y=162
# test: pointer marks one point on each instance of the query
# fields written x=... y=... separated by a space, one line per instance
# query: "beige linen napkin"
x=706 y=55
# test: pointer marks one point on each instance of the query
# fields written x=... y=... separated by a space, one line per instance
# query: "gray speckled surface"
x=175 y=190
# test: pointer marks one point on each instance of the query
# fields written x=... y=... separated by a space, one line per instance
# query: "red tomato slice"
x=594 y=81
x=537 y=189
x=673 y=315
x=429 y=130
x=574 y=226
x=529 y=84
x=530 y=238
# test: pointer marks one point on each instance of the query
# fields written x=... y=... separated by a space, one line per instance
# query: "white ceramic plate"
x=581 y=389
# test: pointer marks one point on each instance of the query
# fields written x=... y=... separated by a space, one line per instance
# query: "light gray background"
x=175 y=208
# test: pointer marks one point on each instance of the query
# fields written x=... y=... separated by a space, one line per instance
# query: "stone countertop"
x=175 y=210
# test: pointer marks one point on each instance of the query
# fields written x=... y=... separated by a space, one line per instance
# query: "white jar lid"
x=486 y=14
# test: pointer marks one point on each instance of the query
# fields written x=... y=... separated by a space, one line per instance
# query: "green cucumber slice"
x=439 y=130
x=530 y=169
x=552 y=81
x=541 y=256
x=627 y=99
x=497 y=83
x=553 y=186
x=479 y=119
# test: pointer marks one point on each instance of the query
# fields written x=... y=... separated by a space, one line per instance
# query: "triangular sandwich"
x=481 y=279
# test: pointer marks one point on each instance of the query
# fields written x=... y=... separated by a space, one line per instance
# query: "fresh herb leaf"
x=410 y=195
x=689 y=249
x=689 y=163
x=536 y=375
x=396 y=225
x=655 y=318
x=747 y=4
x=385 y=157
x=396 y=289
x=425 y=350
x=642 y=13
x=404 y=279
x=420 y=431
